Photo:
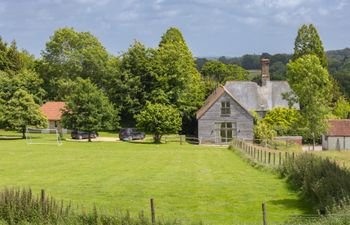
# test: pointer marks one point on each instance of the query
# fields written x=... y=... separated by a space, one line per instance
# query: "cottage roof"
x=260 y=98
x=52 y=110
x=213 y=98
x=338 y=127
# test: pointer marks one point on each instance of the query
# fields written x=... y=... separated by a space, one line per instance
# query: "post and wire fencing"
x=263 y=155
x=181 y=139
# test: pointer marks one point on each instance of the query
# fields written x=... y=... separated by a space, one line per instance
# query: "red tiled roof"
x=52 y=110
x=338 y=127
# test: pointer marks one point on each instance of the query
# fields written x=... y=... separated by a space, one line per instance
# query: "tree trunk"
x=89 y=138
x=313 y=142
x=23 y=133
x=157 y=138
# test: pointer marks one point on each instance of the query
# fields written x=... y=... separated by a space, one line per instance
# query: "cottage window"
x=225 y=131
x=225 y=108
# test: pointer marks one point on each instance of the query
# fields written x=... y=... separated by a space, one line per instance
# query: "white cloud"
x=278 y=4
x=93 y=2
x=127 y=16
x=341 y=4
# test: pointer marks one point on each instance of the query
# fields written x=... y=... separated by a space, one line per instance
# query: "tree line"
x=338 y=65
x=97 y=86
x=139 y=86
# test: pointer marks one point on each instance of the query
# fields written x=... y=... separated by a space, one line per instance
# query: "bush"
x=320 y=180
x=159 y=120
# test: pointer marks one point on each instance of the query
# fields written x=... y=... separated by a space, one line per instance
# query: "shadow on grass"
x=299 y=203
x=143 y=143
x=11 y=138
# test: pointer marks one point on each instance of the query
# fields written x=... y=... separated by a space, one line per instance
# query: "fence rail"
x=182 y=138
x=263 y=155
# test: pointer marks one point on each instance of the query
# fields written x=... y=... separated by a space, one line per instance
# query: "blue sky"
x=210 y=27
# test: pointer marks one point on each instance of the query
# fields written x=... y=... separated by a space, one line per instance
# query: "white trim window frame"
x=225 y=108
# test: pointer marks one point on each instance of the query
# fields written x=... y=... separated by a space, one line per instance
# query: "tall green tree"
x=21 y=111
x=88 y=109
x=308 y=42
x=132 y=84
x=159 y=119
x=311 y=84
x=70 y=54
x=176 y=80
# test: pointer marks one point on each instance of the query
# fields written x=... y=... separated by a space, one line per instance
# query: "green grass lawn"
x=342 y=157
x=188 y=182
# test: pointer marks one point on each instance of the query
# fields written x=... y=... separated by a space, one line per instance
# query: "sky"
x=210 y=27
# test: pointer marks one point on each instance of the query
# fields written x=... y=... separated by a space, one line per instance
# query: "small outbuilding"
x=338 y=135
x=53 y=112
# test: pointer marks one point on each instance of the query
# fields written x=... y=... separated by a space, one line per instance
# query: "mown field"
x=188 y=182
x=342 y=157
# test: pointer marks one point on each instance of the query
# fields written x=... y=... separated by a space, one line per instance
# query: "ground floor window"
x=225 y=131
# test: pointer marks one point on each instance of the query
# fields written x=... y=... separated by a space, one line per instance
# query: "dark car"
x=78 y=134
x=129 y=134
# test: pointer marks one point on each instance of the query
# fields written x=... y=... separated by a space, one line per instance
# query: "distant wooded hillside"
x=338 y=65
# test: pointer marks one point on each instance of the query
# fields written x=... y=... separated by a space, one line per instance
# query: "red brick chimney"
x=265 y=71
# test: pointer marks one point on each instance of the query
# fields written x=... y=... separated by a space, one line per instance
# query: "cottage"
x=337 y=136
x=53 y=112
x=226 y=113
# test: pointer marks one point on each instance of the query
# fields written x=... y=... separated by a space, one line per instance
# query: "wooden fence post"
x=279 y=158
x=293 y=156
x=274 y=158
x=153 y=214
x=254 y=154
x=265 y=156
x=285 y=156
x=180 y=139
x=269 y=157
x=43 y=199
x=264 y=213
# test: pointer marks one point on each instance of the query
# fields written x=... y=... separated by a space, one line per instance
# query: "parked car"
x=78 y=134
x=129 y=134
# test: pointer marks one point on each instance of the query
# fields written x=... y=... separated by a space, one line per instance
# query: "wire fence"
x=182 y=139
x=263 y=155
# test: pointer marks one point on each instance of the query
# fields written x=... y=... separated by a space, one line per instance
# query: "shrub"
x=320 y=180
x=159 y=120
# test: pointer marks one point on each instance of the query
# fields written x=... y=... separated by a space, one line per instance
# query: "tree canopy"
x=175 y=79
x=159 y=119
x=70 y=54
x=308 y=42
x=21 y=111
x=310 y=82
x=88 y=109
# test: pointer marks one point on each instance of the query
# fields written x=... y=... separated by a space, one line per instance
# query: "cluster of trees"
x=101 y=89
x=20 y=90
x=249 y=62
x=215 y=73
x=317 y=92
x=338 y=65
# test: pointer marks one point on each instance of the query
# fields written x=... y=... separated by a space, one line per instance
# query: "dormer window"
x=225 y=109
